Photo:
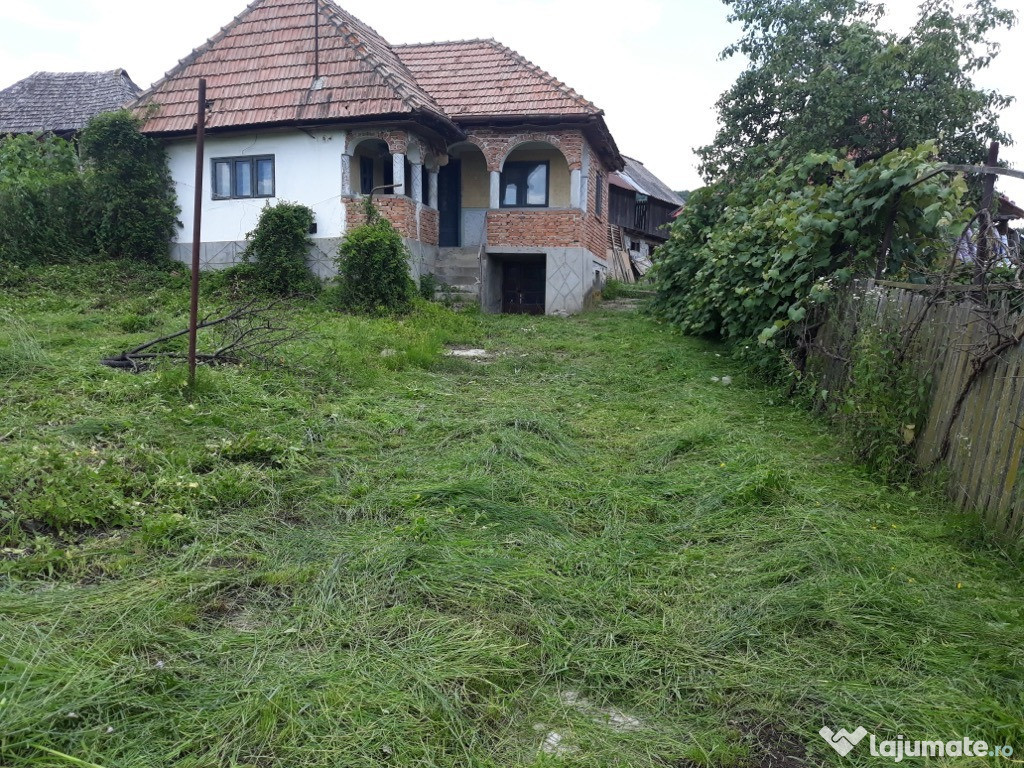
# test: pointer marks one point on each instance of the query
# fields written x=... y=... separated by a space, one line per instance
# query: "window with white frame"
x=236 y=178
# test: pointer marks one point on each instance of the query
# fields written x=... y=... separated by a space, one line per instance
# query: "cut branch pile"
x=249 y=333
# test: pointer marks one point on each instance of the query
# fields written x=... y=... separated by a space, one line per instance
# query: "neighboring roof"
x=260 y=70
x=1008 y=209
x=636 y=176
x=483 y=78
x=63 y=102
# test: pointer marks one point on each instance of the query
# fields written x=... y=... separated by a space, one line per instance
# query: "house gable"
x=290 y=62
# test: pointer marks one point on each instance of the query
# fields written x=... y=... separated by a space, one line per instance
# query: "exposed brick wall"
x=429 y=226
x=596 y=229
x=397 y=141
x=400 y=211
x=540 y=229
x=496 y=144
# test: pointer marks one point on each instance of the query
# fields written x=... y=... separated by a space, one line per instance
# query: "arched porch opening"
x=372 y=167
x=463 y=197
x=535 y=174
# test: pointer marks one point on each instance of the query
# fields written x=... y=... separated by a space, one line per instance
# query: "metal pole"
x=316 y=40
x=197 y=221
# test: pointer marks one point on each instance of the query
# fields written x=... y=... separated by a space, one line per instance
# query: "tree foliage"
x=373 y=269
x=824 y=74
x=41 y=201
x=757 y=259
x=279 y=246
x=132 y=208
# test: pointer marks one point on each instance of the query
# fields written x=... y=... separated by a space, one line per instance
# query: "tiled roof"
x=260 y=70
x=637 y=177
x=483 y=78
x=62 y=102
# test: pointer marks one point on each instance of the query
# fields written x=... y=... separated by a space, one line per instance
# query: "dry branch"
x=251 y=332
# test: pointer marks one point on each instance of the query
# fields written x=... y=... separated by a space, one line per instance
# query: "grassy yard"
x=580 y=552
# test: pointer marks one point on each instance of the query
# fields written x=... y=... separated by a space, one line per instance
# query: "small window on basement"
x=524 y=185
x=243 y=177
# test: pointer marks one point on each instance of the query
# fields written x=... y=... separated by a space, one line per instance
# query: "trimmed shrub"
x=373 y=270
x=41 y=201
x=278 y=249
x=132 y=208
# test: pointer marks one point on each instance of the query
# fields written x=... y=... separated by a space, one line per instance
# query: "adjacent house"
x=62 y=103
x=495 y=172
x=642 y=207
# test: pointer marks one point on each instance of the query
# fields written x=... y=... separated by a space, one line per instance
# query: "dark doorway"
x=522 y=286
x=449 y=203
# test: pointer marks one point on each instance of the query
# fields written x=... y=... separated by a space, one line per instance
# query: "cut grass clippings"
x=412 y=559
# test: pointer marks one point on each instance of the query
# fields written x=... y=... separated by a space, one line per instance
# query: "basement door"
x=523 y=287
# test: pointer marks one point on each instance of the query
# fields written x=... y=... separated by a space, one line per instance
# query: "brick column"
x=576 y=191
x=495 y=189
x=398 y=166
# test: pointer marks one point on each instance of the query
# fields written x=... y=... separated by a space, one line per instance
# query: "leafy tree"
x=373 y=268
x=131 y=202
x=760 y=258
x=41 y=200
x=278 y=249
x=823 y=75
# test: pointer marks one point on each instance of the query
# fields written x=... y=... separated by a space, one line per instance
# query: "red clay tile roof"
x=260 y=70
x=483 y=78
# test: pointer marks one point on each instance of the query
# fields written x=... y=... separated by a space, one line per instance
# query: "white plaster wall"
x=307 y=168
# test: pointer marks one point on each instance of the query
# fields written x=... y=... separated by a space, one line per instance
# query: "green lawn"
x=413 y=560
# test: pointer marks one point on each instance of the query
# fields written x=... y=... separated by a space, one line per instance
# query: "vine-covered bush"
x=41 y=201
x=754 y=258
x=132 y=207
x=373 y=269
x=278 y=249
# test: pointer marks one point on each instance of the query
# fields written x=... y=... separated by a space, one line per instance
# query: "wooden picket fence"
x=986 y=439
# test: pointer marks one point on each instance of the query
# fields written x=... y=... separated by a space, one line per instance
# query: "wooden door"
x=522 y=287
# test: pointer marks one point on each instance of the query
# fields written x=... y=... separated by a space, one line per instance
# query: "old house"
x=63 y=102
x=495 y=173
x=641 y=207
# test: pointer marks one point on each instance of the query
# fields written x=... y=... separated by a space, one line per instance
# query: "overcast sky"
x=652 y=65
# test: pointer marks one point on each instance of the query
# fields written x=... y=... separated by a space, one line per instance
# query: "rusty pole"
x=197 y=220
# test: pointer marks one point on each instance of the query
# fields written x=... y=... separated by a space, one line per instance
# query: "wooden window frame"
x=232 y=162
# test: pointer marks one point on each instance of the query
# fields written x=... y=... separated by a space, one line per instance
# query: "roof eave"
x=441 y=127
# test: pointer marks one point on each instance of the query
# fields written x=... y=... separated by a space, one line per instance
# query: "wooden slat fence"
x=986 y=438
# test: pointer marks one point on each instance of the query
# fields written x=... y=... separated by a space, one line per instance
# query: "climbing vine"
x=761 y=258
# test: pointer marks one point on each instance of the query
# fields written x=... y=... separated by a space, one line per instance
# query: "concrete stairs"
x=459 y=268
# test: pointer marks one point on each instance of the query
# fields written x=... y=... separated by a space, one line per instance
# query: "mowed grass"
x=359 y=559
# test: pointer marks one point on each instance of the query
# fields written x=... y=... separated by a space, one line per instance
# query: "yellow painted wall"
x=476 y=181
x=558 y=170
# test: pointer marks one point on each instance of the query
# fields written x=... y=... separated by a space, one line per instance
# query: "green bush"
x=131 y=204
x=278 y=249
x=373 y=270
x=41 y=201
x=429 y=285
x=757 y=258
